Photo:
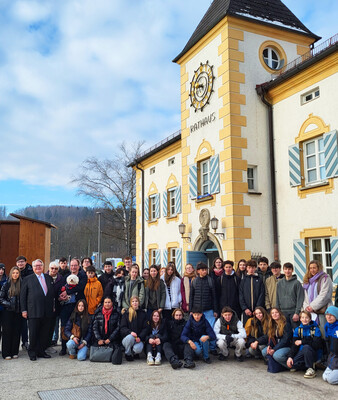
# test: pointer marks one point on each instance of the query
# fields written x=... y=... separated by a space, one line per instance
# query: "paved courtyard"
x=23 y=379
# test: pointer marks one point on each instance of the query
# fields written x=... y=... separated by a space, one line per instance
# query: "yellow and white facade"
x=220 y=165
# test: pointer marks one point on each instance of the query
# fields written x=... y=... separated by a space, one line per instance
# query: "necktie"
x=43 y=284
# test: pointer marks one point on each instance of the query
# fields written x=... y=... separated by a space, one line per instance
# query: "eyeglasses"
x=54 y=268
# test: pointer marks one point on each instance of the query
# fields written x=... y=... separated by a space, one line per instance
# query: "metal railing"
x=307 y=56
x=159 y=144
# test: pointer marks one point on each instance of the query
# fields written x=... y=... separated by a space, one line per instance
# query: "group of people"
x=252 y=308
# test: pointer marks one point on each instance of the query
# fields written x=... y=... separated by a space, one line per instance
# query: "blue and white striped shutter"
x=164 y=257
x=334 y=259
x=178 y=200
x=179 y=261
x=158 y=257
x=146 y=208
x=165 y=203
x=193 y=181
x=214 y=174
x=299 y=256
x=146 y=259
x=157 y=206
x=294 y=165
x=331 y=154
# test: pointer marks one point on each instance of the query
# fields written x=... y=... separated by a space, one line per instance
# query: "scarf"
x=311 y=287
x=106 y=314
x=218 y=272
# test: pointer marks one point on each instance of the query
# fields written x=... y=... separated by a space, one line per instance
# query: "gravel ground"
x=22 y=379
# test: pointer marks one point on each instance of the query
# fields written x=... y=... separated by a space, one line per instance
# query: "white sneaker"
x=310 y=373
x=158 y=359
x=150 y=359
x=15 y=357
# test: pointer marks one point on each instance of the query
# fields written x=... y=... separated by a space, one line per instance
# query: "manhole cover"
x=104 y=392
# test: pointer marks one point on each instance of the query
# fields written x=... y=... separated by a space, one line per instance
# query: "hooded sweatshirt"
x=290 y=295
x=93 y=293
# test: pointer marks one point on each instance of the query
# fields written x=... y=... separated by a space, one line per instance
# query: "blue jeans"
x=331 y=376
x=56 y=329
x=202 y=347
x=72 y=347
x=280 y=355
x=209 y=315
x=129 y=344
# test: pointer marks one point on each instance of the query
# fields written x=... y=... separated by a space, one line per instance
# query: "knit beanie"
x=333 y=311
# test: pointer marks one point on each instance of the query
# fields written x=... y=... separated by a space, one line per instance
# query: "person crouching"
x=230 y=333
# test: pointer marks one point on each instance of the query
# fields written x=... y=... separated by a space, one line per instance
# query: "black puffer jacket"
x=260 y=337
x=10 y=303
x=113 y=333
x=162 y=332
x=175 y=329
x=203 y=294
x=230 y=293
x=137 y=325
x=251 y=292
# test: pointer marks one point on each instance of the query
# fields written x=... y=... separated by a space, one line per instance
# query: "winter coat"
x=105 y=278
x=279 y=342
x=86 y=336
x=115 y=289
x=331 y=334
x=93 y=293
x=240 y=334
x=174 y=330
x=186 y=293
x=2 y=282
x=264 y=276
x=290 y=295
x=309 y=334
x=137 y=290
x=229 y=295
x=323 y=297
x=194 y=330
x=175 y=298
x=260 y=337
x=203 y=294
x=161 y=296
x=78 y=290
x=137 y=325
x=28 y=270
x=58 y=282
x=271 y=291
x=336 y=298
x=113 y=332
x=251 y=292
x=217 y=283
x=9 y=303
x=162 y=332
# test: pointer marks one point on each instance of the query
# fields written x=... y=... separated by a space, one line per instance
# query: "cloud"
x=77 y=77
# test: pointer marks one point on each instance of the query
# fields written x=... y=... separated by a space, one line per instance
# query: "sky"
x=78 y=77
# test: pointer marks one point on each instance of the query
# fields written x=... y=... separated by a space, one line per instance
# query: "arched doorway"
x=210 y=250
x=206 y=249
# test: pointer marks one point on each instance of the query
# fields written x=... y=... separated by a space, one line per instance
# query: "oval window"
x=271 y=58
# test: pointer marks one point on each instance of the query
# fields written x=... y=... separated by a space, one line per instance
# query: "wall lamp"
x=214 y=226
x=181 y=228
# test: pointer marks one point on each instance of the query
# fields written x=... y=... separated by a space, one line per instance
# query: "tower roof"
x=267 y=12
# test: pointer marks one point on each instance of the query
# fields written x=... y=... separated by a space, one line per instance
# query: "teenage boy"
x=128 y=262
x=271 y=285
x=107 y=275
x=330 y=375
x=251 y=291
x=203 y=296
x=263 y=270
x=197 y=332
x=230 y=333
x=115 y=289
x=290 y=295
x=63 y=267
x=93 y=290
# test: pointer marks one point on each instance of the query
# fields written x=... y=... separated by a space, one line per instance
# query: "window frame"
x=326 y=257
x=152 y=208
x=152 y=256
x=269 y=59
x=310 y=92
x=201 y=175
x=318 y=166
x=171 y=202
x=253 y=178
x=172 y=254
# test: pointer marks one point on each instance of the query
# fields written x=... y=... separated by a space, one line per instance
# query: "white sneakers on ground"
x=310 y=373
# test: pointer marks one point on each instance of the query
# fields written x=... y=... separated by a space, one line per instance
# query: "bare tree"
x=111 y=185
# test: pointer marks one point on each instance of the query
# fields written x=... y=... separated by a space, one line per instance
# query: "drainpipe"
x=261 y=93
x=142 y=224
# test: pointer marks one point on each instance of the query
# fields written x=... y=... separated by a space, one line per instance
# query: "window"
x=205 y=177
x=313 y=94
x=152 y=256
x=152 y=208
x=252 y=178
x=171 y=161
x=320 y=250
x=314 y=160
x=172 y=254
x=271 y=58
x=152 y=170
x=171 y=202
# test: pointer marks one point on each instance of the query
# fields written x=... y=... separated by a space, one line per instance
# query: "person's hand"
x=215 y=314
x=63 y=296
x=229 y=339
x=137 y=340
x=254 y=345
x=157 y=341
x=298 y=342
x=76 y=340
x=289 y=362
x=151 y=341
x=100 y=342
x=107 y=341
x=270 y=351
x=295 y=318
x=204 y=338
x=81 y=346
x=24 y=314
x=187 y=307
x=248 y=312
x=160 y=310
x=192 y=345
x=309 y=309
x=133 y=334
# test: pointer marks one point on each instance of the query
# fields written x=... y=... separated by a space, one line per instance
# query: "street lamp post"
x=99 y=240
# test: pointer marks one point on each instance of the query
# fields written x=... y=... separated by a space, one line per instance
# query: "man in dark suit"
x=37 y=304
